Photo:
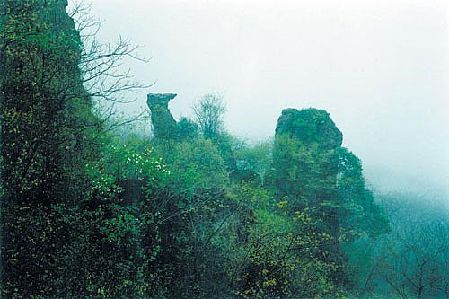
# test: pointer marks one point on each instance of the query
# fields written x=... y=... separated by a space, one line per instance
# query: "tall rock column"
x=305 y=159
x=164 y=125
x=306 y=166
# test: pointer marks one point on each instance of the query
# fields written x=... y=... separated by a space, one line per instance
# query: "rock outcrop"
x=306 y=166
x=164 y=125
x=305 y=157
x=310 y=126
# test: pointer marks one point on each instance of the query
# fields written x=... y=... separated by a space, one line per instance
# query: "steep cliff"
x=306 y=166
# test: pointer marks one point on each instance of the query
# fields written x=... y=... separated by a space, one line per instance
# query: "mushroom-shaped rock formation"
x=164 y=125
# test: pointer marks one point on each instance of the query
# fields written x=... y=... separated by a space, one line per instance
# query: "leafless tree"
x=102 y=64
x=413 y=259
x=209 y=114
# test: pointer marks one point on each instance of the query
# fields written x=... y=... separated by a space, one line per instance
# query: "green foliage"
x=121 y=222
x=278 y=254
x=193 y=213
x=305 y=173
x=187 y=129
x=47 y=137
x=196 y=165
x=313 y=174
x=362 y=216
x=254 y=162
x=410 y=261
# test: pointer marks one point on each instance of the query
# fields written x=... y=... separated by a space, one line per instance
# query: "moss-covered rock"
x=310 y=126
x=164 y=125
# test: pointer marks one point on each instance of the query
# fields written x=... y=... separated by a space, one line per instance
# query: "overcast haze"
x=379 y=67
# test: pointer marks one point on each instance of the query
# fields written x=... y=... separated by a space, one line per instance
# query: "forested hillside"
x=92 y=208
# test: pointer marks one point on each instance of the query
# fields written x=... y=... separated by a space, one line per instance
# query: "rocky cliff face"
x=310 y=126
x=305 y=155
x=164 y=125
x=306 y=165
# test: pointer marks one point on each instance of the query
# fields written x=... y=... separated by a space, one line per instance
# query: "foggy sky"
x=379 y=67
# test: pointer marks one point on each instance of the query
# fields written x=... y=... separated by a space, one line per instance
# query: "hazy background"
x=379 y=67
